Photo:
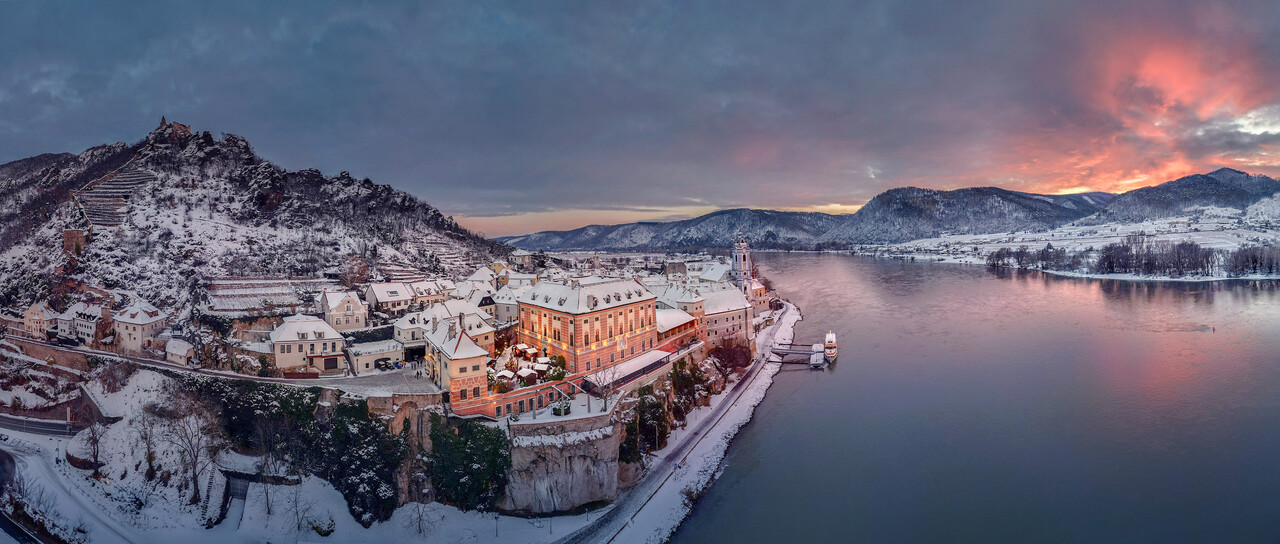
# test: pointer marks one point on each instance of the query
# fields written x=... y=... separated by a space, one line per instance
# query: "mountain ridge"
x=909 y=213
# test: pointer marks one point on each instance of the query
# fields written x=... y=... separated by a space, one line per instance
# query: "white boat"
x=829 y=350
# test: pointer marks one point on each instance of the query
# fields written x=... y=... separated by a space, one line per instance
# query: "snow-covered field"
x=1217 y=228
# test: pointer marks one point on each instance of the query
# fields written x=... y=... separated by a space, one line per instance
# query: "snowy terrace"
x=242 y=295
x=371 y=348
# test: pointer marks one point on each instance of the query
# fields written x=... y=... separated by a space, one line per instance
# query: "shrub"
x=323 y=527
x=469 y=463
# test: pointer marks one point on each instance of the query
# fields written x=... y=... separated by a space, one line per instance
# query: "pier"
x=816 y=355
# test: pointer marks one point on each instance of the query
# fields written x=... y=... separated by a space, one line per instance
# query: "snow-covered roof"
x=508 y=294
x=520 y=253
x=476 y=320
x=466 y=288
x=674 y=294
x=432 y=287
x=483 y=274
x=369 y=348
x=391 y=292
x=140 y=313
x=526 y=372
x=177 y=347
x=329 y=299
x=723 y=300
x=82 y=310
x=505 y=374
x=541 y=367
x=668 y=318
x=716 y=272
x=585 y=295
x=43 y=310
x=303 y=327
x=479 y=298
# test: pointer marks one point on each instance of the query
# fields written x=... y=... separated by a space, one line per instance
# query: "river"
x=968 y=405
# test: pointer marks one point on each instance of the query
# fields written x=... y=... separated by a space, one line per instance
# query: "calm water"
x=970 y=406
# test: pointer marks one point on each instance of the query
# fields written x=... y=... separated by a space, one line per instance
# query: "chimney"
x=453 y=328
x=435 y=323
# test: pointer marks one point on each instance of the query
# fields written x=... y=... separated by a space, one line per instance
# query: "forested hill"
x=896 y=215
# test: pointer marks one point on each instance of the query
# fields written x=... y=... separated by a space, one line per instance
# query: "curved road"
x=608 y=525
x=17 y=533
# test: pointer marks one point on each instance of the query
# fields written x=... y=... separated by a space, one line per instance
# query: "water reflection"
x=971 y=404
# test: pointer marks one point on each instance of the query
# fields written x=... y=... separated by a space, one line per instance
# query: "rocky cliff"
x=560 y=466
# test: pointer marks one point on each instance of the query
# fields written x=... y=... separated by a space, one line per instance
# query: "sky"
x=525 y=116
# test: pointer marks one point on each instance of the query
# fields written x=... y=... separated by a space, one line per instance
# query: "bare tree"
x=421 y=514
x=195 y=436
x=605 y=380
x=299 y=508
x=94 y=434
x=145 y=430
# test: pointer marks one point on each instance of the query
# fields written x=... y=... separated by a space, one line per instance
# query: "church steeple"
x=741 y=270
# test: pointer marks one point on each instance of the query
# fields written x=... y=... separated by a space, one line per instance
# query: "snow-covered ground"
x=1217 y=228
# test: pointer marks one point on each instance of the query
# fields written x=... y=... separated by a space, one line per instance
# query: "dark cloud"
x=502 y=109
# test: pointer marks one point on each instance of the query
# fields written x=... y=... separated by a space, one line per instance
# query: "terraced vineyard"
x=105 y=201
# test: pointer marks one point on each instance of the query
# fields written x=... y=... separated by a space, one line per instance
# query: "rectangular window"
x=522 y=406
x=463 y=394
x=475 y=368
x=475 y=392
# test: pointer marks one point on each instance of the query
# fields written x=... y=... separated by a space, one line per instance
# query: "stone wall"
x=71 y=359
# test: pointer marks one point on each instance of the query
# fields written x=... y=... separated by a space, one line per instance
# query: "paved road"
x=397 y=381
x=18 y=534
x=608 y=525
x=35 y=426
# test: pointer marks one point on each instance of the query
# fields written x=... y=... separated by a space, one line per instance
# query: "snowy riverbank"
x=659 y=517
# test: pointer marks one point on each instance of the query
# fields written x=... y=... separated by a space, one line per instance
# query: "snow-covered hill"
x=214 y=208
x=1225 y=188
x=763 y=228
x=893 y=216
x=911 y=213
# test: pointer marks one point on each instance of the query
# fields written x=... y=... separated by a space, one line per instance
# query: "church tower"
x=741 y=271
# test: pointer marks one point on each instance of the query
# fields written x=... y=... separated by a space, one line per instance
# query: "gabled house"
x=81 y=320
x=138 y=325
x=39 y=320
x=410 y=329
x=343 y=310
x=305 y=341
x=390 y=298
x=427 y=292
x=506 y=305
